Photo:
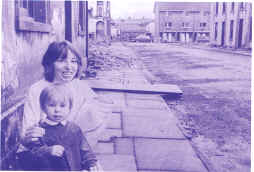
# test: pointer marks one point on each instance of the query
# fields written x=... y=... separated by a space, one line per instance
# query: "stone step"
x=104 y=148
x=124 y=146
x=114 y=121
x=109 y=134
x=117 y=163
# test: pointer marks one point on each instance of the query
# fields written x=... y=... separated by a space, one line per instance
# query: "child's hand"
x=57 y=150
x=33 y=133
x=96 y=168
x=93 y=169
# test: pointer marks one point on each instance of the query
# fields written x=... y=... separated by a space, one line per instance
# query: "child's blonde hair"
x=56 y=93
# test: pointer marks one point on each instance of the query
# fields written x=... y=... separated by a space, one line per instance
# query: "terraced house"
x=182 y=21
x=231 y=24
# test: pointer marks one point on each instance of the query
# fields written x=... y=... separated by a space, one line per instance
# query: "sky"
x=132 y=8
x=129 y=8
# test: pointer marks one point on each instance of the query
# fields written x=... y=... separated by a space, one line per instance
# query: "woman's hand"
x=32 y=134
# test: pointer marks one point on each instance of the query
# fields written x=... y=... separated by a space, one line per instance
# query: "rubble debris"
x=101 y=58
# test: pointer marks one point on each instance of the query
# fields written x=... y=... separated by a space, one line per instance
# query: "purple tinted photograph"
x=128 y=86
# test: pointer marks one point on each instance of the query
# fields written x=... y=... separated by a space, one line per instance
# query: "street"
x=171 y=81
x=214 y=110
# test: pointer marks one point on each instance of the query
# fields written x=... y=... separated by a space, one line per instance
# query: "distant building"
x=100 y=23
x=182 y=21
x=131 y=28
x=231 y=24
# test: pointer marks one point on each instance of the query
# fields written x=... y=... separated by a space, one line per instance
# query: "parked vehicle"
x=143 y=38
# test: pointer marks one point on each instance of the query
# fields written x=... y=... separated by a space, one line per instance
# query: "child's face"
x=57 y=110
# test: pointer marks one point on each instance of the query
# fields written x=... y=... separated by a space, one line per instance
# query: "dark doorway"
x=223 y=34
x=177 y=36
x=240 y=33
x=100 y=36
x=194 y=37
x=68 y=33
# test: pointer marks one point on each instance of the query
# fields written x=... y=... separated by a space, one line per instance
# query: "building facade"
x=182 y=21
x=231 y=24
x=28 y=28
x=131 y=28
x=100 y=22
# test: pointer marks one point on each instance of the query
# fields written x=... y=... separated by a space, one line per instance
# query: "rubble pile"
x=101 y=58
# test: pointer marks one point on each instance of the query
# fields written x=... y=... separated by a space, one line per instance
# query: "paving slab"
x=104 y=148
x=110 y=133
x=143 y=96
x=156 y=126
x=169 y=155
x=117 y=97
x=146 y=104
x=117 y=163
x=149 y=112
x=114 y=121
x=136 y=81
x=124 y=146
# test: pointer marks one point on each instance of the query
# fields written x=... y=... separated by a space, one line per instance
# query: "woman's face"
x=66 y=69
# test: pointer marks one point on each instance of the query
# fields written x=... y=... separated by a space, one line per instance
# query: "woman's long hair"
x=59 y=50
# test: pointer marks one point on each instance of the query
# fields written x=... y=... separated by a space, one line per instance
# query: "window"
x=202 y=24
x=223 y=7
x=231 y=30
x=32 y=15
x=193 y=12
x=217 y=8
x=163 y=13
x=232 y=7
x=206 y=13
x=185 y=24
x=241 y=6
x=215 y=31
x=100 y=12
x=169 y=24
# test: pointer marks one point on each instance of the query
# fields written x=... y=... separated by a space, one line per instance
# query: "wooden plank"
x=135 y=88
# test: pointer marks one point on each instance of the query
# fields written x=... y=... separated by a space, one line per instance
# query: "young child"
x=63 y=147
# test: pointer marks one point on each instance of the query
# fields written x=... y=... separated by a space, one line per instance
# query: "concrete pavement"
x=142 y=133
